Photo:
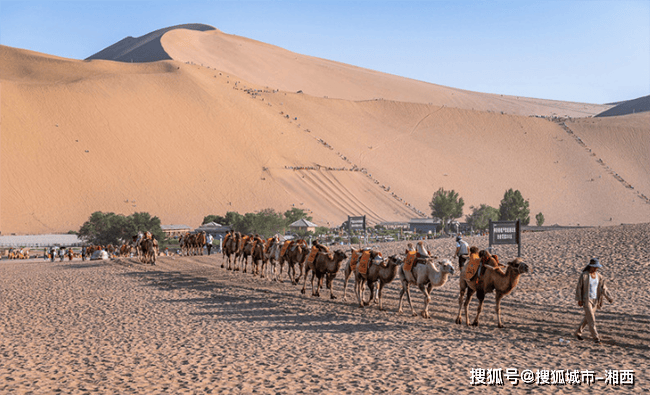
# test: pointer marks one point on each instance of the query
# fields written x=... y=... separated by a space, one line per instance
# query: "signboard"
x=505 y=232
x=356 y=223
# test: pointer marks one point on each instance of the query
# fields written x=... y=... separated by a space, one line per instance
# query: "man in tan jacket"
x=590 y=291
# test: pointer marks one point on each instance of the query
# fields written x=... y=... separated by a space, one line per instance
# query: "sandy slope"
x=182 y=141
x=268 y=65
x=188 y=326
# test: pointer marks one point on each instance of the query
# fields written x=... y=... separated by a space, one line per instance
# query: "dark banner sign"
x=356 y=223
x=504 y=232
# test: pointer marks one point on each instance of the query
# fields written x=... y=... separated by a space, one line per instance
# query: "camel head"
x=339 y=256
x=519 y=266
x=446 y=266
x=394 y=260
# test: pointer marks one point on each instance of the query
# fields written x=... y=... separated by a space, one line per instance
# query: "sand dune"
x=641 y=104
x=146 y=48
x=182 y=140
x=267 y=65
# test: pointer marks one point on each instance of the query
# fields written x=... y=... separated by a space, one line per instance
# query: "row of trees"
x=266 y=222
x=110 y=228
x=447 y=205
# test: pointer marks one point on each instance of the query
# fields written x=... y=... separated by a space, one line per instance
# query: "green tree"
x=295 y=214
x=215 y=218
x=143 y=222
x=321 y=230
x=540 y=219
x=513 y=207
x=269 y=222
x=104 y=228
x=446 y=205
x=481 y=216
x=233 y=219
x=110 y=228
x=265 y=223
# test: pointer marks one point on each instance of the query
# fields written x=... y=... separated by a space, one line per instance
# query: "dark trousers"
x=461 y=261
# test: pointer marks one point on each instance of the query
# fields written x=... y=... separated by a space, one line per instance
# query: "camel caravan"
x=483 y=274
x=143 y=246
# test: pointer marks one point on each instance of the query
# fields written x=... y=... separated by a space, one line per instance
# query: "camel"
x=199 y=243
x=426 y=277
x=295 y=254
x=230 y=248
x=257 y=258
x=241 y=251
x=272 y=255
x=351 y=266
x=381 y=273
x=246 y=251
x=148 y=251
x=492 y=280
x=323 y=265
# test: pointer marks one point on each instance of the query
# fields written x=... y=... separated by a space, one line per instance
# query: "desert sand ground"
x=188 y=326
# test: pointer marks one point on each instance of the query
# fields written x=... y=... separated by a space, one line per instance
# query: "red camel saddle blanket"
x=285 y=246
x=355 y=259
x=267 y=245
x=363 y=262
x=410 y=260
x=472 y=267
x=312 y=254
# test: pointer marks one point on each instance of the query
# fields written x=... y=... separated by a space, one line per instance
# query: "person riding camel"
x=473 y=263
x=411 y=259
x=422 y=252
x=489 y=261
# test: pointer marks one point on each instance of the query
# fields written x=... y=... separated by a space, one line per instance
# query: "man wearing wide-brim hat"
x=590 y=291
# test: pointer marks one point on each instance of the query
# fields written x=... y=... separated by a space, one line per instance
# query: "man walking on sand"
x=208 y=242
x=589 y=294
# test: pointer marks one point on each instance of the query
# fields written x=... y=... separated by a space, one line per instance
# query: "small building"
x=303 y=224
x=216 y=230
x=174 y=231
x=425 y=225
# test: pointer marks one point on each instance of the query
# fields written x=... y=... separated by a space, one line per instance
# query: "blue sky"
x=585 y=51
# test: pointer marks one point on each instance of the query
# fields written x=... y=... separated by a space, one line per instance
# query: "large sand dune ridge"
x=216 y=129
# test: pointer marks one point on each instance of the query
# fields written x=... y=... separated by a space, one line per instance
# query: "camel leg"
x=381 y=286
x=371 y=287
x=481 y=297
x=499 y=296
x=408 y=298
x=401 y=294
x=427 y=300
x=460 y=302
x=318 y=280
x=468 y=299
x=358 y=289
x=301 y=266
x=304 y=284
x=330 y=281
x=345 y=282
x=291 y=272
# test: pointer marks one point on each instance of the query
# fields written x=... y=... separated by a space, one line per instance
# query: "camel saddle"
x=364 y=262
x=267 y=244
x=312 y=254
x=472 y=266
x=409 y=261
x=285 y=246
x=354 y=259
